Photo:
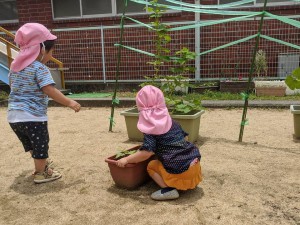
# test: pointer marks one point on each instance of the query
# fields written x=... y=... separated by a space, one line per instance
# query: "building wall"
x=81 y=51
x=40 y=11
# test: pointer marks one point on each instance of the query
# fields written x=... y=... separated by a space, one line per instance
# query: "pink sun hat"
x=154 y=117
x=28 y=38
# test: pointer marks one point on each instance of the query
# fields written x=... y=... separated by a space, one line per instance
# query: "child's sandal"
x=46 y=176
x=49 y=164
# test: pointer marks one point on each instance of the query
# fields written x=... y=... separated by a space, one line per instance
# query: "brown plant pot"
x=270 y=91
x=132 y=175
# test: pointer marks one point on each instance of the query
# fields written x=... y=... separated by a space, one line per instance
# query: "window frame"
x=10 y=21
x=113 y=14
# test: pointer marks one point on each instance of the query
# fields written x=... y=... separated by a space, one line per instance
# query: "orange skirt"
x=187 y=180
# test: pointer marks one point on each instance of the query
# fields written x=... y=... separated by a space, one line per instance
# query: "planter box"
x=295 y=110
x=235 y=86
x=201 y=90
x=190 y=123
x=132 y=175
x=270 y=91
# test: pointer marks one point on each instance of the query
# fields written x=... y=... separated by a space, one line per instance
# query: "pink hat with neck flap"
x=154 y=117
x=29 y=37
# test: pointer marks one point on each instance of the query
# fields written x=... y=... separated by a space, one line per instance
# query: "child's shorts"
x=34 y=137
x=183 y=181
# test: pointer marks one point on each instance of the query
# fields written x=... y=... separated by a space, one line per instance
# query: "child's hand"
x=122 y=162
x=74 y=105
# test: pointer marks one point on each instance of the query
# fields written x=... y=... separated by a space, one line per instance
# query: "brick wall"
x=82 y=51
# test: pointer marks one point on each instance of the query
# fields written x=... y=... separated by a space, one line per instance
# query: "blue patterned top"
x=26 y=89
x=174 y=152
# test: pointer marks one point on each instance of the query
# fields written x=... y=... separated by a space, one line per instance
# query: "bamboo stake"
x=251 y=74
x=114 y=100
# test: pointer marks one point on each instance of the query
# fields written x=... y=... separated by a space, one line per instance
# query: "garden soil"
x=253 y=182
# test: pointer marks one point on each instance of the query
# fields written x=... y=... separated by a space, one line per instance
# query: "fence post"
x=197 y=44
x=103 y=54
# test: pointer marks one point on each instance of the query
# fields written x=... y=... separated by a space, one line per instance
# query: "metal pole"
x=103 y=54
x=197 y=44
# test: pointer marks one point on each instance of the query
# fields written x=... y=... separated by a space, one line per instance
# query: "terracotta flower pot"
x=132 y=175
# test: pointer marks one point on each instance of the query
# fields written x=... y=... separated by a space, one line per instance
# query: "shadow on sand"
x=24 y=184
x=142 y=194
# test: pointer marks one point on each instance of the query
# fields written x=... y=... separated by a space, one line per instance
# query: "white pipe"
x=103 y=54
x=197 y=44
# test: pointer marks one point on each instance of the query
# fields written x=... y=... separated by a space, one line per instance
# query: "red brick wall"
x=85 y=62
x=40 y=11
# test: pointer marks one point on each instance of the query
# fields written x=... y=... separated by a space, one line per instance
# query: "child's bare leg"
x=43 y=173
x=158 y=179
x=40 y=165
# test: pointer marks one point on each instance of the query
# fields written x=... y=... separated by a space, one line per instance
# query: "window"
x=259 y=2
x=8 y=11
x=95 y=8
x=133 y=7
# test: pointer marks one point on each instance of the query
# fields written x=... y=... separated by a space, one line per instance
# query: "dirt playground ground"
x=254 y=182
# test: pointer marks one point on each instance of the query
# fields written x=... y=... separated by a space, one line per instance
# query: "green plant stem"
x=251 y=74
x=118 y=69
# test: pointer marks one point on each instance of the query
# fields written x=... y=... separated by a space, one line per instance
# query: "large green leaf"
x=293 y=80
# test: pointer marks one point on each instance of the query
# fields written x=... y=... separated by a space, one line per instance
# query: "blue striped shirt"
x=174 y=152
x=26 y=89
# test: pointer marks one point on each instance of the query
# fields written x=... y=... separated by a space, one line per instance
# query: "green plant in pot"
x=260 y=63
x=186 y=112
x=161 y=38
x=124 y=153
x=173 y=86
x=176 y=86
x=265 y=87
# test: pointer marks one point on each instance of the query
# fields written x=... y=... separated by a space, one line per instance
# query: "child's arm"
x=139 y=156
x=57 y=96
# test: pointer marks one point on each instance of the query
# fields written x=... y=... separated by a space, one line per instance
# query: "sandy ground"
x=254 y=182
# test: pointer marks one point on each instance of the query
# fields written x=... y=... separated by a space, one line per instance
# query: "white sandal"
x=46 y=176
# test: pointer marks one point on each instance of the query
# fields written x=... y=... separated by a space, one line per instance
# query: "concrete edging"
x=130 y=102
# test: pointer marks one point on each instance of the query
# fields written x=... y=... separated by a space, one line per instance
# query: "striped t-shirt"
x=26 y=89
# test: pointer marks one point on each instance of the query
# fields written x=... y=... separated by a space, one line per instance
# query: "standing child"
x=178 y=161
x=31 y=83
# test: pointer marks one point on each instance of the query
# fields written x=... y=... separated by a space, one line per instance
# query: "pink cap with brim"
x=29 y=37
x=154 y=117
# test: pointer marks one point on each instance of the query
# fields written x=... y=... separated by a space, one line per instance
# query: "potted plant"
x=133 y=174
x=293 y=82
x=185 y=111
x=260 y=63
x=270 y=88
x=265 y=87
x=177 y=82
